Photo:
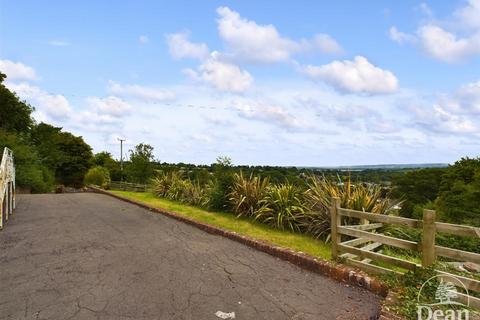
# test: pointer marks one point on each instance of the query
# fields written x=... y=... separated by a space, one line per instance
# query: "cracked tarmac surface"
x=90 y=256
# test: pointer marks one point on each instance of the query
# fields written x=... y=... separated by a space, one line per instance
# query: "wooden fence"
x=7 y=186
x=128 y=186
x=362 y=250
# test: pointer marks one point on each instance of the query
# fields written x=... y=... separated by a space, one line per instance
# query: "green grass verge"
x=243 y=226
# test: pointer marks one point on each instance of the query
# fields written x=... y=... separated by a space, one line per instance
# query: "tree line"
x=46 y=156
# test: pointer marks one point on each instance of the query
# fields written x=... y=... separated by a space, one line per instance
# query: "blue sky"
x=280 y=83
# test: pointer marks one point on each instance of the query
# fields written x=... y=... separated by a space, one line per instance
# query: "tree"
x=75 y=161
x=140 y=167
x=65 y=154
x=30 y=172
x=417 y=187
x=105 y=159
x=15 y=114
x=459 y=196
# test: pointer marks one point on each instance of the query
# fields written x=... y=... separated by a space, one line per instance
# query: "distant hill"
x=383 y=167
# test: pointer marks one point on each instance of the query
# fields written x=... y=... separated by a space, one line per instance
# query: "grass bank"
x=230 y=222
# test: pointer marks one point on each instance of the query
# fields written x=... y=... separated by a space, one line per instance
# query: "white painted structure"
x=7 y=186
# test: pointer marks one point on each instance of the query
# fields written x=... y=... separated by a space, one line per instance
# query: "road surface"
x=90 y=256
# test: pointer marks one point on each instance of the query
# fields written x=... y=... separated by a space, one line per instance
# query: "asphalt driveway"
x=90 y=256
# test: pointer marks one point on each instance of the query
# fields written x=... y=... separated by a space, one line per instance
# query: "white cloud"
x=17 y=70
x=202 y=138
x=445 y=45
x=357 y=76
x=464 y=101
x=224 y=76
x=111 y=106
x=437 y=119
x=248 y=41
x=455 y=113
x=270 y=113
x=180 y=46
x=468 y=97
x=217 y=120
x=96 y=118
x=55 y=106
x=452 y=40
x=143 y=39
x=59 y=43
x=469 y=16
x=261 y=43
x=354 y=116
x=325 y=43
x=141 y=92
x=401 y=37
x=425 y=9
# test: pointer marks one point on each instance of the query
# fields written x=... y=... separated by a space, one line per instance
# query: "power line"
x=168 y=104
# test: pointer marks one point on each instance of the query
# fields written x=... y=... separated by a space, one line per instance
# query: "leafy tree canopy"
x=15 y=115
x=30 y=172
x=105 y=159
x=140 y=168
x=417 y=187
x=65 y=154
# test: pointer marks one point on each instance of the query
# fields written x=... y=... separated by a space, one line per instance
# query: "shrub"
x=222 y=184
x=98 y=176
x=195 y=194
x=172 y=186
x=30 y=172
x=176 y=190
x=161 y=183
x=357 y=197
x=283 y=207
x=247 y=194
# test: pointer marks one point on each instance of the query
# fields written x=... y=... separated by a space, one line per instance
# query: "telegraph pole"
x=121 y=157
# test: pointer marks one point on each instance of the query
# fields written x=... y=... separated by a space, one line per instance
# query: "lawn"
x=243 y=226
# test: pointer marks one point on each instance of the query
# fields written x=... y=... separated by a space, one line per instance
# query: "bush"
x=283 y=207
x=195 y=194
x=162 y=182
x=357 y=197
x=222 y=184
x=247 y=194
x=36 y=177
x=30 y=172
x=172 y=186
x=98 y=176
x=177 y=187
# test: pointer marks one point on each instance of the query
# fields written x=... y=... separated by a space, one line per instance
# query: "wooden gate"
x=365 y=241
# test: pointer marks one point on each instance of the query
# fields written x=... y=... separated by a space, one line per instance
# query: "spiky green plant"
x=247 y=194
x=172 y=186
x=359 y=197
x=195 y=194
x=282 y=207
x=162 y=182
x=177 y=188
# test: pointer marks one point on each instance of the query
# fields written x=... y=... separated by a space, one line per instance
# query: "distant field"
x=382 y=166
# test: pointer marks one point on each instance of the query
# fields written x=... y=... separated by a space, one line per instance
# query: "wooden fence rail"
x=7 y=186
x=364 y=238
x=128 y=186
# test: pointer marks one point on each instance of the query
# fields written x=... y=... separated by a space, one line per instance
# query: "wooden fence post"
x=335 y=221
x=428 y=238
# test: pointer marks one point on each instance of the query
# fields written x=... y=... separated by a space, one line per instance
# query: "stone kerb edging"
x=333 y=270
